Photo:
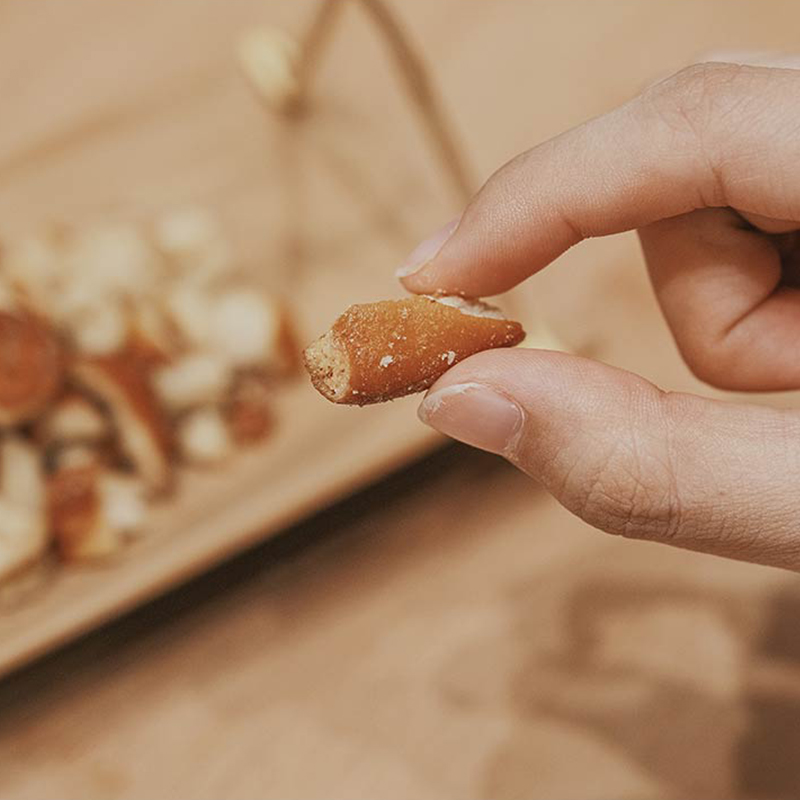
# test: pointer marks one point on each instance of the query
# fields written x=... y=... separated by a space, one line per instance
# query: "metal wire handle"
x=303 y=59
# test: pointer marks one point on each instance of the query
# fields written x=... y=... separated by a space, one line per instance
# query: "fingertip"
x=459 y=258
x=422 y=256
x=520 y=366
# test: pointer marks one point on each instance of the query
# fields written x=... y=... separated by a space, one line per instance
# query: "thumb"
x=629 y=458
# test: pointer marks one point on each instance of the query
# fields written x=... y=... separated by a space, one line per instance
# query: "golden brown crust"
x=249 y=410
x=144 y=434
x=381 y=351
x=73 y=505
x=31 y=366
x=71 y=419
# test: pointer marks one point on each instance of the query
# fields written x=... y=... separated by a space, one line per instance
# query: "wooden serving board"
x=125 y=108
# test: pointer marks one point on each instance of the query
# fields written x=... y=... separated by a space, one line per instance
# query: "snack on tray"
x=23 y=522
x=125 y=352
x=91 y=510
x=31 y=366
x=384 y=350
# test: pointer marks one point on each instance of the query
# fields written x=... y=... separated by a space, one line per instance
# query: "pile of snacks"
x=124 y=352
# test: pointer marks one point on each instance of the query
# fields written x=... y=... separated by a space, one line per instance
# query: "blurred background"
x=351 y=607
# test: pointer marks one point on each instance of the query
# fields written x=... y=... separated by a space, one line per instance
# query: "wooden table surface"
x=452 y=632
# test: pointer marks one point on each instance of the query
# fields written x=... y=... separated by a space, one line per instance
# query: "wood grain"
x=515 y=654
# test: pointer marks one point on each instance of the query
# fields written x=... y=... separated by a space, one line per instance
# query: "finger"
x=712 y=135
x=769 y=225
x=754 y=58
x=629 y=458
x=717 y=282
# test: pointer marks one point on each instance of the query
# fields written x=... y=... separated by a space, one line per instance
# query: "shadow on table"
x=699 y=690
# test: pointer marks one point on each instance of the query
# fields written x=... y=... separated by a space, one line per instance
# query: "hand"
x=706 y=165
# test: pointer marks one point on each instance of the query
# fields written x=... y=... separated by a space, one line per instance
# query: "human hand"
x=706 y=166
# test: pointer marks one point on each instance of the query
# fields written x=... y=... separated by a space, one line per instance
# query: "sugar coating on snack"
x=384 y=350
x=467 y=305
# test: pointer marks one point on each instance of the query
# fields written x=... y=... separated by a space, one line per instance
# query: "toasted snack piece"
x=268 y=57
x=23 y=521
x=67 y=455
x=99 y=330
x=92 y=510
x=191 y=380
x=33 y=266
x=249 y=329
x=31 y=366
x=203 y=437
x=124 y=502
x=21 y=473
x=381 y=351
x=194 y=244
x=72 y=418
x=75 y=515
x=249 y=409
x=119 y=382
x=152 y=337
x=111 y=260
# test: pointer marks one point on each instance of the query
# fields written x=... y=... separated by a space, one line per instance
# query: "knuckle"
x=693 y=104
x=693 y=95
x=714 y=363
x=707 y=364
x=703 y=80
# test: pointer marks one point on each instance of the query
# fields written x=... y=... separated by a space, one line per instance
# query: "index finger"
x=712 y=135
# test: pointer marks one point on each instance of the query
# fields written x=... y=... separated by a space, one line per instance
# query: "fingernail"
x=428 y=250
x=474 y=414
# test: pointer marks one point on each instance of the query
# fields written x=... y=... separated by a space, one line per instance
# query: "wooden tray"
x=125 y=108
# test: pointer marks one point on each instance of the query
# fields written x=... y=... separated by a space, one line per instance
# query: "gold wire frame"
x=282 y=71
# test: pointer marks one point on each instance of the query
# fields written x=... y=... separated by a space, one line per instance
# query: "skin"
x=706 y=167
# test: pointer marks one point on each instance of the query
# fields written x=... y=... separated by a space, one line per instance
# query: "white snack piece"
x=192 y=380
x=74 y=419
x=21 y=475
x=93 y=510
x=269 y=58
x=114 y=259
x=203 y=437
x=100 y=330
x=192 y=240
x=23 y=536
x=149 y=327
x=184 y=232
x=122 y=502
x=244 y=327
x=33 y=264
x=23 y=517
